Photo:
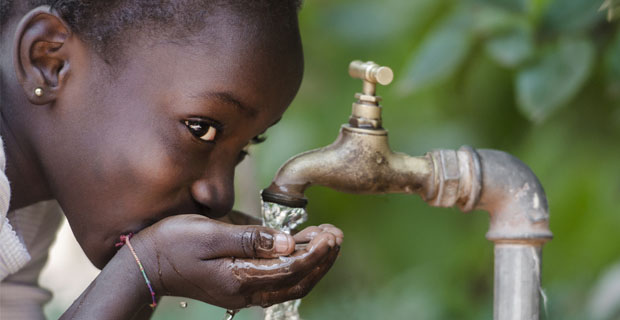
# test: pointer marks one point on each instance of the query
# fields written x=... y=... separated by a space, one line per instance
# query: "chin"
x=100 y=255
x=217 y=215
x=100 y=261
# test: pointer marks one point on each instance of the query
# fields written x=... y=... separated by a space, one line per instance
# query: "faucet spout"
x=359 y=161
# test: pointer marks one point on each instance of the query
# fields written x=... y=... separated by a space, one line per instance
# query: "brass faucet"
x=360 y=161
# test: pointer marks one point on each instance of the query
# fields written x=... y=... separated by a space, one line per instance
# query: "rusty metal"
x=360 y=161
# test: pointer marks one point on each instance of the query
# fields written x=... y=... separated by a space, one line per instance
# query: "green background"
x=539 y=79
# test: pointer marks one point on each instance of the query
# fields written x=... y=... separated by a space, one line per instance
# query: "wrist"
x=123 y=283
x=135 y=262
x=118 y=292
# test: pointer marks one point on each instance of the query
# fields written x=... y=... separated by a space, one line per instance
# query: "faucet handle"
x=366 y=111
x=371 y=73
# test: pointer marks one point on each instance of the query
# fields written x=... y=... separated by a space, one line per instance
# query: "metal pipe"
x=361 y=161
x=517 y=281
x=505 y=187
x=519 y=226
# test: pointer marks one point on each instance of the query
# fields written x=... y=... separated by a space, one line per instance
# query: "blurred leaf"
x=571 y=15
x=491 y=20
x=612 y=7
x=604 y=302
x=511 y=48
x=612 y=66
x=373 y=22
x=511 y=5
x=555 y=78
x=442 y=51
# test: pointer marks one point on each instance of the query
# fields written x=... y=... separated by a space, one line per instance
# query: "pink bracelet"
x=125 y=240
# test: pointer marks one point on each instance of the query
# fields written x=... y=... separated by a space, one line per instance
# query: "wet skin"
x=121 y=148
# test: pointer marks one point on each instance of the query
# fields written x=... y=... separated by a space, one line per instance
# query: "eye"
x=258 y=139
x=201 y=129
x=243 y=154
x=246 y=150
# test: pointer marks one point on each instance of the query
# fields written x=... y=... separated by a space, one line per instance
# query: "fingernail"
x=331 y=242
x=266 y=241
x=339 y=241
x=281 y=243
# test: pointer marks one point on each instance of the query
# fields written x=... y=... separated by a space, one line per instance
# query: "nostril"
x=212 y=200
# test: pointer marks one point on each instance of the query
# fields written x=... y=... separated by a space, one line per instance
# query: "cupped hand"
x=234 y=266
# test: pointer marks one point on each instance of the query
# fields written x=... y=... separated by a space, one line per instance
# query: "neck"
x=23 y=171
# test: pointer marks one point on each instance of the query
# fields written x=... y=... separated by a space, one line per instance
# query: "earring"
x=38 y=92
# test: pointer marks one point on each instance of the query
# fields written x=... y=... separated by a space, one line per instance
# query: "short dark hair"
x=100 y=22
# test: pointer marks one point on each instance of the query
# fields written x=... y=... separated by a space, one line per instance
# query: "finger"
x=333 y=230
x=297 y=290
x=227 y=240
x=307 y=234
x=271 y=274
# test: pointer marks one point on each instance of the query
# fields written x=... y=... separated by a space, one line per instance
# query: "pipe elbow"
x=514 y=197
x=496 y=182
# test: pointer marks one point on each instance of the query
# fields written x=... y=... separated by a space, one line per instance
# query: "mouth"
x=192 y=206
x=206 y=211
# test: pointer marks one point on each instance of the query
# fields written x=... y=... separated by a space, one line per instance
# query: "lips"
x=206 y=211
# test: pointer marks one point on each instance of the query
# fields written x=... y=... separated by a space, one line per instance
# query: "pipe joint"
x=457 y=178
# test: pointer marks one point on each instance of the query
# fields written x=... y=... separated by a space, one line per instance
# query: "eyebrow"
x=229 y=98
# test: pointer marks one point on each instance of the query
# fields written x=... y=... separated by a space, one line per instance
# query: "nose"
x=215 y=192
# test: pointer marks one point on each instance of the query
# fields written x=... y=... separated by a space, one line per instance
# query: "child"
x=132 y=115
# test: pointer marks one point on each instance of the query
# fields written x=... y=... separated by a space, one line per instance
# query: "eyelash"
x=200 y=128
x=254 y=141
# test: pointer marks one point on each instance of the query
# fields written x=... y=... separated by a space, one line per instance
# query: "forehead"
x=253 y=60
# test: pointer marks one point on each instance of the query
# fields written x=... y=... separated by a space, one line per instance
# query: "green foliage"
x=555 y=78
x=612 y=7
x=511 y=48
x=611 y=66
x=441 y=52
x=547 y=50
x=571 y=16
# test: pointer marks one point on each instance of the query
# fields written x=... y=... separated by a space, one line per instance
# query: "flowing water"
x=286 y=219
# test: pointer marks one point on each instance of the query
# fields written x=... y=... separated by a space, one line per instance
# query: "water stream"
x=286 y=219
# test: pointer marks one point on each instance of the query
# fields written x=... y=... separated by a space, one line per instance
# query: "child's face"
x=129 y=149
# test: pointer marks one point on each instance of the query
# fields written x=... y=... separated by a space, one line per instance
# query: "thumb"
x=249 y=242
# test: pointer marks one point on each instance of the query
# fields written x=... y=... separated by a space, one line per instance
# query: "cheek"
x=150 y=167
x=138 y=180
x=154 y=166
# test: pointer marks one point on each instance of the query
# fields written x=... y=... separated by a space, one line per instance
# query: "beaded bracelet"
x=125 y=240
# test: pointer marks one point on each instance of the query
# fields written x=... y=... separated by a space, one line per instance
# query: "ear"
x=40 y=56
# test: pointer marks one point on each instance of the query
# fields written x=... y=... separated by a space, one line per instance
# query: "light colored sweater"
x=25 y=238
x=13 y=252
